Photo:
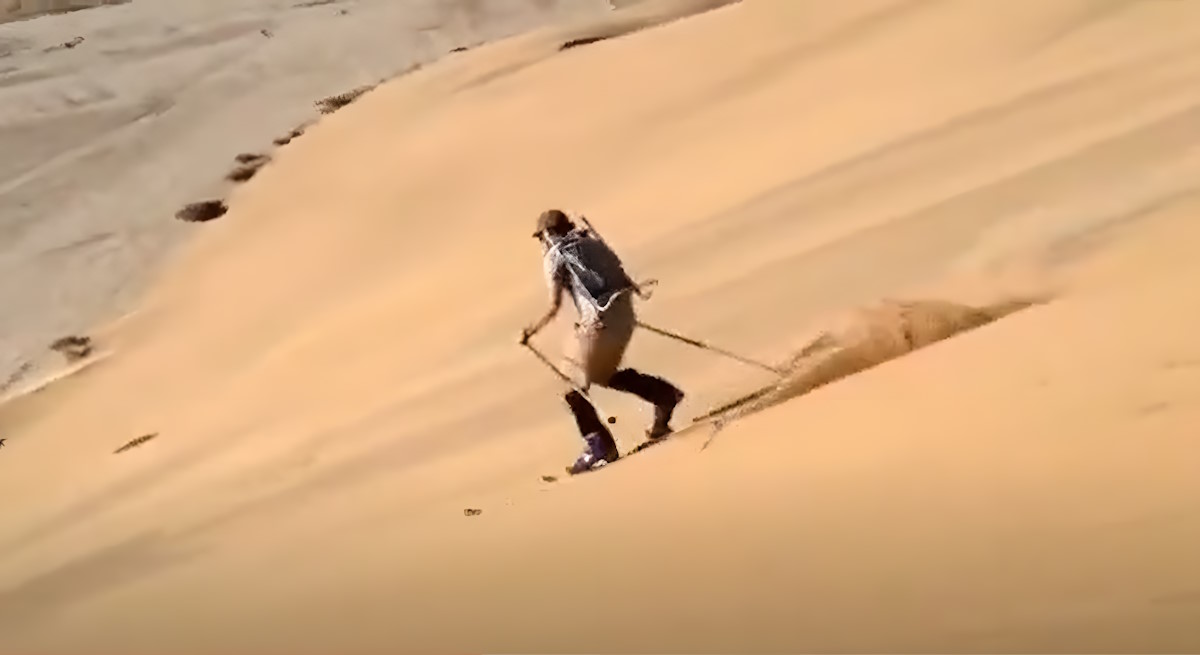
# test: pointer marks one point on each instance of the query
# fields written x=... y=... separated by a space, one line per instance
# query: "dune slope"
x=332 y=375
x=114 y=117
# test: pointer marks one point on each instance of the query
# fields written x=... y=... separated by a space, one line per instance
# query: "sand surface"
x=331 y=373
x=113 y=118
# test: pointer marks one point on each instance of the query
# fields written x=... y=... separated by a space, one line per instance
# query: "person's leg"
x=662 y=394
x=607 y=349
x=602 y=345
x=600 y=447
x=586 y=418
x=593 y=353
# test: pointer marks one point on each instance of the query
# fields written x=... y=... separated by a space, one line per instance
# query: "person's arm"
x=558 y=288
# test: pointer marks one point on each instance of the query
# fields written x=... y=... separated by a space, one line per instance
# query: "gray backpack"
x=593 y=270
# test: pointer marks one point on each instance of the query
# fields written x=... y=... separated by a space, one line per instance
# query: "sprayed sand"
x=332 y=375
x=865 y=338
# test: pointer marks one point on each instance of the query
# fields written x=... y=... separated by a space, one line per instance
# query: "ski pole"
x=563 y=376
x=704 y=346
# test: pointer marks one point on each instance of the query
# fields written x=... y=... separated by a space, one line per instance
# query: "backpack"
x=594 y=272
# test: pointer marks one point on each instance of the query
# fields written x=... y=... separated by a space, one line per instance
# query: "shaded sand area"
x=12 y=10
x=330 y=375
x=113 y=118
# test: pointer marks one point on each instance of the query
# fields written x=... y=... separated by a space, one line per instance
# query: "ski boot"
x=662 y=394
x=601 y=449
x=663 y=411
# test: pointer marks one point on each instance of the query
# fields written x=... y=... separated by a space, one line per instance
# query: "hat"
x=552 y=220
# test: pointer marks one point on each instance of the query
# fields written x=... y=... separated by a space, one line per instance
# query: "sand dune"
x=331 y=370
x=113 y=118
x=26 y=9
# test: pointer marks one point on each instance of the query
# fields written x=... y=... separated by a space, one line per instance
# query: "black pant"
x=653 y=390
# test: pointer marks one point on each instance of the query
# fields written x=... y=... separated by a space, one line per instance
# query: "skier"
x=576 y=261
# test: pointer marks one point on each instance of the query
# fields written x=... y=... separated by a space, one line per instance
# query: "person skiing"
x=577 y=262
